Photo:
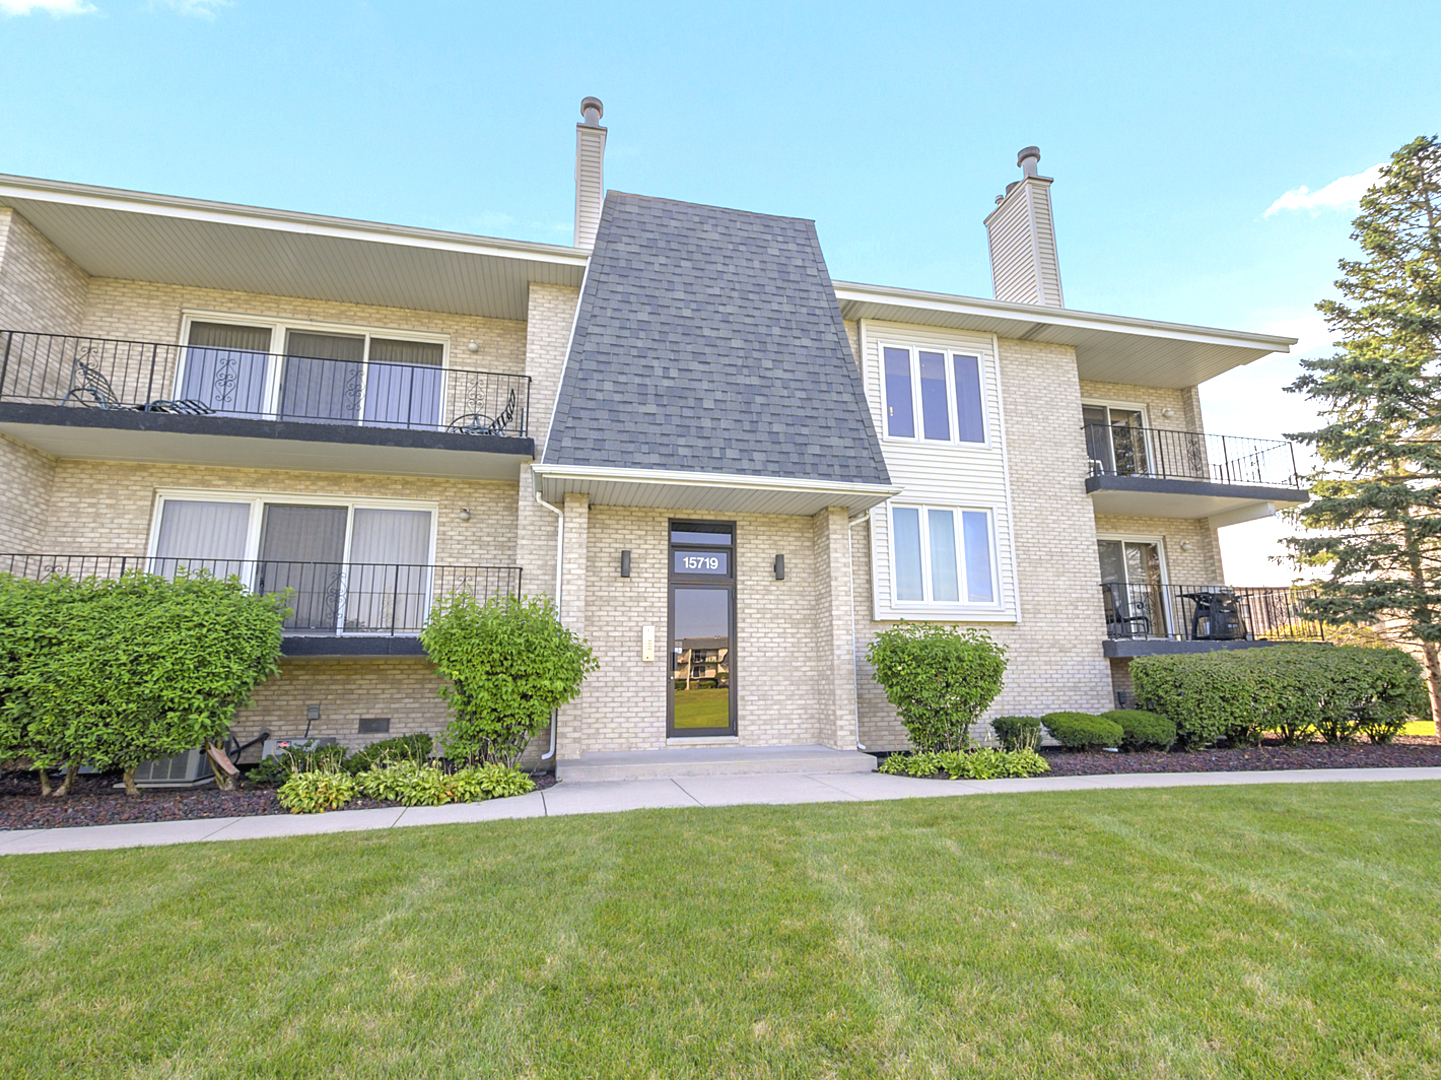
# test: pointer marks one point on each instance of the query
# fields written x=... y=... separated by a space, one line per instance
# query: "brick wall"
x=1201 y=565
x=106 y=508
x=26 y=479
x=41 y=290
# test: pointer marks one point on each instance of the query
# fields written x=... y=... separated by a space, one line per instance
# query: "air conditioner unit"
x=187 y=769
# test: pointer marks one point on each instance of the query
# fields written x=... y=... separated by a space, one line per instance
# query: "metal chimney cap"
x=591 y=105
x=1027 y=160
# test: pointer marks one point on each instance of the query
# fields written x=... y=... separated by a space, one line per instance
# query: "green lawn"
x=1243 y=932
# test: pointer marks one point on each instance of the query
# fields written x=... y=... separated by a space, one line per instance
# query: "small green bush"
x=1082 y=731
x=317 y=791
x=510 y=662
x=1295 y=691
x=282 y=766
x=940 y=680
x=414 y=748
x=1141 y=730
x=985 y=764
x=1017 y=732
x=413 y=784
x=503 y=781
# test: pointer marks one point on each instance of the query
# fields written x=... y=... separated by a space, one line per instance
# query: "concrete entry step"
x=712 y=761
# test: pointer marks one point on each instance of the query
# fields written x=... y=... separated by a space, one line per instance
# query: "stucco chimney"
x=1024 y=266
x=589 y=172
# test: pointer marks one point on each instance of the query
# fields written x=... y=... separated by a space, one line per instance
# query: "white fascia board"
x=174 y=206
x=1040 y=315
x=850 y=493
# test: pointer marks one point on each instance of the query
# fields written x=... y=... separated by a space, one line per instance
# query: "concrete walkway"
x=604 y=797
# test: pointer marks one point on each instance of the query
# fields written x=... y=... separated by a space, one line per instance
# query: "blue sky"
x=1170 y=129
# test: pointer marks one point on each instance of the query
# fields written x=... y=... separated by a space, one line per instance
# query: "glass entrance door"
x=702 y=629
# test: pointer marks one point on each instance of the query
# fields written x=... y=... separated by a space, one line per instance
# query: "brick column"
x=834 y=638
x=570 y=736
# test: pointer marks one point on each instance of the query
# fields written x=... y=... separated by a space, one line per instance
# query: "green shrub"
x=1017 y=732
x=1082 y=731
x=316 y=791
x=281 y=766
x=985 y=764
x=510 y=662
x=114 y=673
x=1294 y=691
x=940 y=680
x=414 y=748
x=414 y=784
x=1142 y=730
x=503 y=781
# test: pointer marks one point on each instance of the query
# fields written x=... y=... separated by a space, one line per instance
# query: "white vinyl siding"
x=958 y=473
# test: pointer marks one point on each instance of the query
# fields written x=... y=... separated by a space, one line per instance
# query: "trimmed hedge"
x=1295 y=691
x=1082 y=731
x=1143 y=730
x=986 y=764
x=1017 y=732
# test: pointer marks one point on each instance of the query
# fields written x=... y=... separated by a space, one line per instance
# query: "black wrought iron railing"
x=105 y=373
x=1121 y=450
x=1208 y=613
x=325 y=598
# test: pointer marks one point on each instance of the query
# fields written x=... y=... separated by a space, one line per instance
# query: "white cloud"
x=52 y=7
x=201 y=9
x=1346 y=191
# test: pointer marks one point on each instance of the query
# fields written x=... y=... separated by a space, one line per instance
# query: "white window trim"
x=947 y=606
x=278 y=330
x=952 y=410
x=257 y=502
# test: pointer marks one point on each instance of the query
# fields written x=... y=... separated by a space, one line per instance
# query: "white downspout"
x=559 y=554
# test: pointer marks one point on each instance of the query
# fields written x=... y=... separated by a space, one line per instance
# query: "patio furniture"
x=1221 y=614
x=88 y=387
x=481 y=424
x=1118 y=623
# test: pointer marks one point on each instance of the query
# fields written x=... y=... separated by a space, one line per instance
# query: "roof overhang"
x=1109 y=348
x=726 y=493
x=142 y=237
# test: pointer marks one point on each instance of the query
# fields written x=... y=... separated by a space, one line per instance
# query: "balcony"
x=1153 y=472
x=337 y=609
x=1145 y=620
x=108 y=399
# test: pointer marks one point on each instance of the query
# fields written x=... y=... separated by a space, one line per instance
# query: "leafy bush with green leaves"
x=509 y=663
x=412 y=783
x=1082 y=731
x=1141 y=730
x=984 y=764
x=317 y=791
x=940 y=680
x=1294 y=691
x=503 y=781
x=114 y=673
x=288 y=761
x=1017 y=732
x=414 y=748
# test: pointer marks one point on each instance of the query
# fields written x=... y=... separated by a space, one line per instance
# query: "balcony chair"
x=481 y=424
x=93 y=390
x=1118 y=623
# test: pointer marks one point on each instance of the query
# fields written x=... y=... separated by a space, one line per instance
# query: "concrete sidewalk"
x=605 y=797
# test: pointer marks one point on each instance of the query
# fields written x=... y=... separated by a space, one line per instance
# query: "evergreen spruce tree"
x=1376 y=507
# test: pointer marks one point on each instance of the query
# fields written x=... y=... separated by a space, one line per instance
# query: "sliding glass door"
x=1116 y=437
x=226 y=368
x=1132 y=588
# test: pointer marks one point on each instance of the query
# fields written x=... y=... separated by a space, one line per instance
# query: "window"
x=929 y=382
x=350 y=568
x=322 y=377
x=942 y=555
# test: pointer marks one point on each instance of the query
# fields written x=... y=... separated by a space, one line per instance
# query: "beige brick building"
x=729 y=471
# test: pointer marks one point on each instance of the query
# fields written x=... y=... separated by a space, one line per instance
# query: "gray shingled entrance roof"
x=710 y=340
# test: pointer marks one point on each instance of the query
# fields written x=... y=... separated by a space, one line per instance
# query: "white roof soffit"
x=141 y=237
x=1109 y=348
x=716 y=492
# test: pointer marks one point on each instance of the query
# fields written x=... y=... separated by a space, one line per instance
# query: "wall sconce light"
x=465 y=513
x=1185 y=545
x=472 y=346
x=780 y=567
x=625 y=564
x=1168 y=413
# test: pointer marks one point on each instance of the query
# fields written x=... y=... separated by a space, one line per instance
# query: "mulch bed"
x=1407 y=751
x=95 y=801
